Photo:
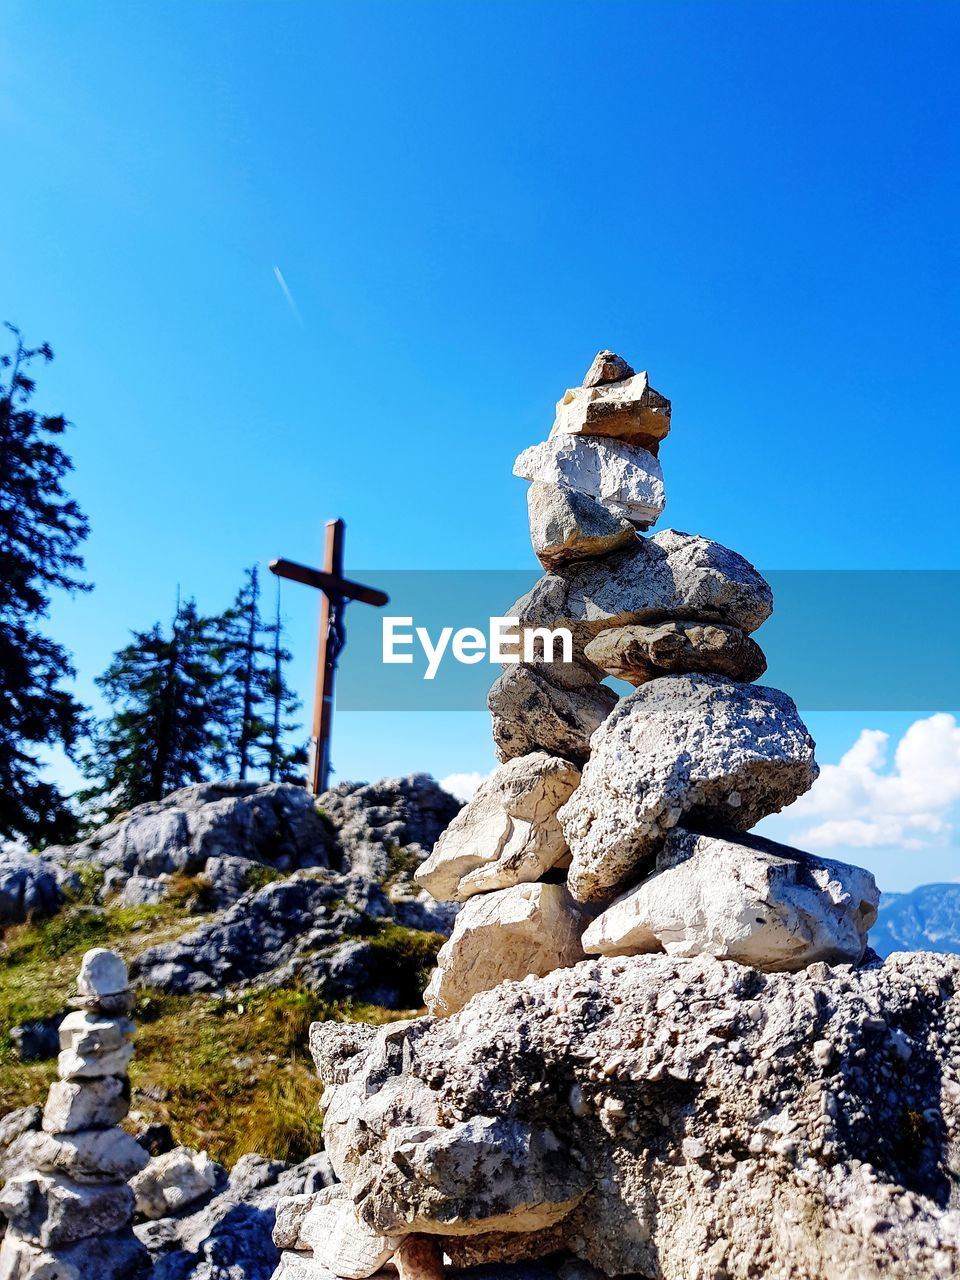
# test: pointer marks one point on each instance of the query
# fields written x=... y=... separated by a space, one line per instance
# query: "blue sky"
x=756 y=202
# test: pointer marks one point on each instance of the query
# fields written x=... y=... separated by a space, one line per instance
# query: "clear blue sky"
x=757 y=202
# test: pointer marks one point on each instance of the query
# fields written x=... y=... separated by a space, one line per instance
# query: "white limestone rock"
x=89 y=1155
x=669 y=575
x=508 y=833
x=626 y=409
x=504 y=937
x=78 y=1066
x=724 y=753
x=626 y=479
x=552 y=707
x=87 y=1034
x=567 y=526
x=745 y=899
x=51 y=1210
x=102 y=973
x=85 y=1104
x=342 y=1242
x=173 y=1180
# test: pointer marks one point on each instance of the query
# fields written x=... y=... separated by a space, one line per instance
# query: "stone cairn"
x=612 y=827
x=69 y=1214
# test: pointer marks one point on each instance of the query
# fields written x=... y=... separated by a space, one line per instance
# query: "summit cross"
x=336 y=592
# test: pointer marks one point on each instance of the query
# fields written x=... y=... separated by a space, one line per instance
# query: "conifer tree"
x=40 y=531
x=170 y=711
x=261 y=701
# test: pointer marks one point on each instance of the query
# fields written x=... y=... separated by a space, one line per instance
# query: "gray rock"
x=52 y=1211
x=38 y=1039
x=745 y=899
x=94 y=1066
x=230 y=1238
x=73 y=1105
x=106 y=1257
x=30 y=886
x=144 y=891
x=533 y=711
x=172 y=1181
x=669 y=575
x=102 y=973
x=88 y=1033
x=717 y=751
x=567 y=526
x=296 y=930
x=625 y=478
x=678 y=1114
x=87 y=1155
x=639 y=653
x=380 y=822
x=607 y=367
x=275 y=823
x=22 y=1120
x=229 y=878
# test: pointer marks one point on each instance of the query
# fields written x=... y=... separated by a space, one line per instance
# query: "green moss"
x=261 y=875
x=412 y=954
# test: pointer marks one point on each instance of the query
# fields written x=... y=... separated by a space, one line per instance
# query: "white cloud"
x=859 y=803
x=463 y=785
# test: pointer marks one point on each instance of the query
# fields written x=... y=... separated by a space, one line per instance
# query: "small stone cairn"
x=614 y=826
x=69 y=1216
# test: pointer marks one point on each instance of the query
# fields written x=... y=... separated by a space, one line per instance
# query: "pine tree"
x=40 y=531
x=261 y=701
x=170 y=708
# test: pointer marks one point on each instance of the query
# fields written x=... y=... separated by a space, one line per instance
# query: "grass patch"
x=228 y=1076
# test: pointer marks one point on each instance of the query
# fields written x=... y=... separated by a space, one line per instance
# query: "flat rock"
x=52 y=1211
x=94 y=1066
x=723 y=753
x=626 y=479
x=89 y=1155
x=607 y=367
x=745 y=899
x=102 y=973
x=669 y=575
x=73 y=1105
x=504 y=937
x=172 y=1181
x=642 y=652
x=87 y=1033
x=342 y=1242
x=625 y=409
x=567 y=526
x=118 y=1256
x=622 y=1098
x=508 y=833
x=534 y=709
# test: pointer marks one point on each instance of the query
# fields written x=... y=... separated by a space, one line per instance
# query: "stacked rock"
x=614 y=826
x=611 y=827
x=69 y=1216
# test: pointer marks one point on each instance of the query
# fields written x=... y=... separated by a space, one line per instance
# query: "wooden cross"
x=336 y=591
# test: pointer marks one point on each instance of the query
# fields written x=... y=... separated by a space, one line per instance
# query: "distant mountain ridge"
x=925 y=919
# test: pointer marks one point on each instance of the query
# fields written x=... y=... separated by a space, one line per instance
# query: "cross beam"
x=335 y=592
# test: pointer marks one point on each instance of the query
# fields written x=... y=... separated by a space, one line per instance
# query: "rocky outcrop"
x=314 y=928
x=69 y=1210
x=624 y=1099
x=32 y=885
